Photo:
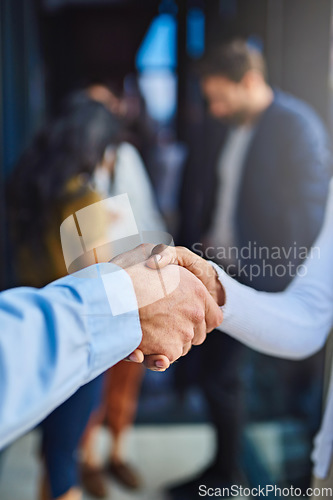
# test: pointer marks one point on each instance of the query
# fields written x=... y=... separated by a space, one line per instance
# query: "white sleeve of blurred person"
x=131 y=177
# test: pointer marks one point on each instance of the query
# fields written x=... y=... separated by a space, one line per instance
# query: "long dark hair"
x=73 y=143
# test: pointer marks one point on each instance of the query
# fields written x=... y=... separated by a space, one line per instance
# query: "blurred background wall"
x=148 y=49
x=49 y=47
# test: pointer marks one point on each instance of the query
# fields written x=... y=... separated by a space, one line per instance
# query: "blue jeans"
x=62 y=432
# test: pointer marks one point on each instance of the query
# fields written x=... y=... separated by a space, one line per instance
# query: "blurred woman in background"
x=53 y=180
x=72 y=163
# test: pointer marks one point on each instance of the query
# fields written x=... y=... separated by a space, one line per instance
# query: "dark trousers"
x=216 y=367
x=62 y=431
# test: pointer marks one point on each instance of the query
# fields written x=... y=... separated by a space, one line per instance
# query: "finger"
x=147 y=249
x=197 y=265
x=202 y=269
x=138 y=254
x=187 y=347
x=213 y=313
x=200 y=333
x=136 y=356
x=162 y=256
x=156 y=362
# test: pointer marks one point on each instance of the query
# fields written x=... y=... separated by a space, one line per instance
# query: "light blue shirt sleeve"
x=56 y=339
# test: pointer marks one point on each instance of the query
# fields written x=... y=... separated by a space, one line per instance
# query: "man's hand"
x=175 y=309
x=139 y=254
x=163 y=255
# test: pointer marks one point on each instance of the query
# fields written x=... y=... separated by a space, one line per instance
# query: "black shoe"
x=208 y=483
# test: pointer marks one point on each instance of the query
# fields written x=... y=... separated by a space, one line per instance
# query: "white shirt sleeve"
x=132 y=178
x=292 y=324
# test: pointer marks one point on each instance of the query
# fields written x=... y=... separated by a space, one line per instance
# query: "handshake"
x=185 y=311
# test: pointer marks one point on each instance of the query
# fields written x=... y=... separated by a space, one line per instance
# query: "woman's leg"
x=121 y=390
x=117 y=452
x=89 y=454
x=72 y=494
x=44 y=487
x=124 y=383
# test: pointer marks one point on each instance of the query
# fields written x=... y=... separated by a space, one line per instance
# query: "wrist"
x=220 y=295
x=219 y=291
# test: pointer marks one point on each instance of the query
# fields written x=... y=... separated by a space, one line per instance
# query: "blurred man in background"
x=252 y=208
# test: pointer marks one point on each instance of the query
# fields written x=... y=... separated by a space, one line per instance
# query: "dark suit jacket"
x=282 y=194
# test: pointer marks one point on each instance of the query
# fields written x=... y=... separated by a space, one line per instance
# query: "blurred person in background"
x=123 y=381
x=140 y=130
x=129 y=174
x=265 y=184
x=54 y=179
x=80 y=158
x=291 y=324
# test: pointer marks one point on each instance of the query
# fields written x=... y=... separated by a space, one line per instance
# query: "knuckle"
x=176 y=355
x=198 y=315
x=175 y=352
x=186 y=349
x=188 y=336
x=182 y=249
x=218 y=318
x=200 y=339
x=161 y=247
x=200 y=290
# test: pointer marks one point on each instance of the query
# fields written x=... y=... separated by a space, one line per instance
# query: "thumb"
x=156 y=362
x=163 y=255
x=136 y=356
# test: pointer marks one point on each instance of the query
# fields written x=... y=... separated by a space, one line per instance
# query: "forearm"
x=279 y=324
x=294 y=323
x=54 y=340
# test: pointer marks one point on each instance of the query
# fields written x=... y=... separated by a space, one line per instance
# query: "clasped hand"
x=178 y=296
